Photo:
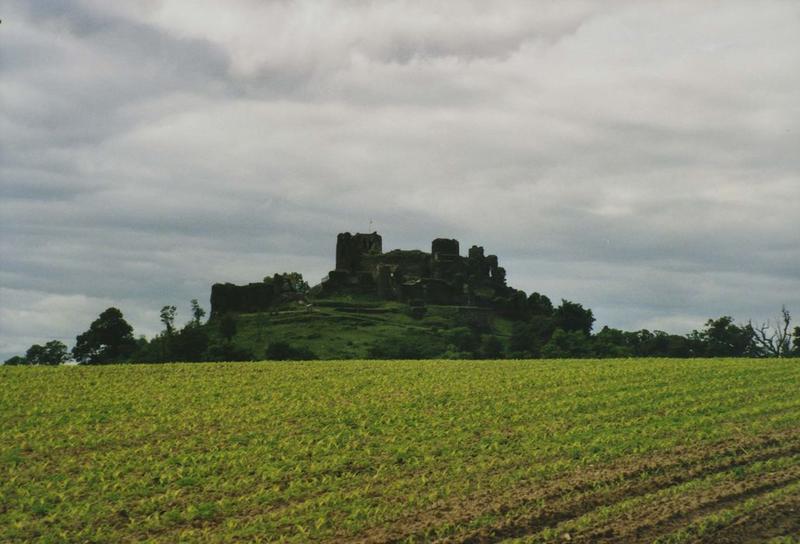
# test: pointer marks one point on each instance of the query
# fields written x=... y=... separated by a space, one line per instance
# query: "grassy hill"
x=629 y=450
x=348 y=327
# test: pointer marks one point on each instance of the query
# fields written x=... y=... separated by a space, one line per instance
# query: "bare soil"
x=528 y=509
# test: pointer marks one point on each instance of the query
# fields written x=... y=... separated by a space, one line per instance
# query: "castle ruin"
x=442 y=276
x=414 y=277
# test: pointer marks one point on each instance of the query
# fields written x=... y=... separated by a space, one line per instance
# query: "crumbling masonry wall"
x=442 y=276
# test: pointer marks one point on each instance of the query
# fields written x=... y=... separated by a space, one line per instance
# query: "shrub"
x=284 y=351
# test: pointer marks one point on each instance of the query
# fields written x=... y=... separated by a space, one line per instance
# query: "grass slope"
x=346 y=327
x=460 y=451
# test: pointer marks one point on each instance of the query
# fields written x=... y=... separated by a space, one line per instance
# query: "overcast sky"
x=642 y=158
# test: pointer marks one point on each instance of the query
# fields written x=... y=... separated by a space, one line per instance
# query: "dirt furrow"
x=777 y=519
x=662 y=517
x=585 y=498
x=580 y=492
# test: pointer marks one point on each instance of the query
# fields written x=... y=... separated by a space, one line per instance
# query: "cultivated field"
x=457 y=451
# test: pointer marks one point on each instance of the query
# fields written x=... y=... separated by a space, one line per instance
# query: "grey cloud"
x=634 y=156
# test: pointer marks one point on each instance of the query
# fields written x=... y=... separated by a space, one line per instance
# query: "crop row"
x=369 y=450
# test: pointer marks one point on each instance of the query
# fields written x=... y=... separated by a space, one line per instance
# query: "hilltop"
x=400 y=303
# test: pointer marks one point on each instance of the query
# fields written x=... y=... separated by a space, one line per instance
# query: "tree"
x=226 y=351
x=796 y=342
x=540 y=305
x=571 y=316
x=567 y=344
x=168 y=319
x=611 y=343
x=55 y=353
x=406 y=346
x=108 y=340
x=462 y=340
x=542 y=327
x=524 y=341
x=188 y=345
x=197 y=313
x=774 y=337
x=491 y=347
x=283 y=351
x=723 y=338
x=296 y=282
x=514 y=306
x=35 y=355
x=16 y=360
x=661 y=344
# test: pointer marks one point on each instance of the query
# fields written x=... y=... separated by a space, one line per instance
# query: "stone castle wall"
x=442 y=276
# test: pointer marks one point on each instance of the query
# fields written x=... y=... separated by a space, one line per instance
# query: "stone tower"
x=351 y=247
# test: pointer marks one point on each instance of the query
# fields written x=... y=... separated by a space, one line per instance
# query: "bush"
x=463 y=339
x=491 y=347
x=524 y=342
x=227 y=351
x=284 y=351
x=16 y=360
x=411 y=346
x=564 y=345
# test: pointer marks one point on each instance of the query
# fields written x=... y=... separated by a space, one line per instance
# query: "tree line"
x=539 y=330
x=542 y=330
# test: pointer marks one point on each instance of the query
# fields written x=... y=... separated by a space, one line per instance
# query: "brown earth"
x=528 y=509
x=781 y=518
x=662 y=517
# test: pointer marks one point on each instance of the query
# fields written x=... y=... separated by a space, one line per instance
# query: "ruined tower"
x=351 y=247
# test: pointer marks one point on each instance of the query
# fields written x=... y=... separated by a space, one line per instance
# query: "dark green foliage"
x=524 y=342
x=198 y=313
x=514 y=306
x=491 y=347
x=16 y=360
x=796 y=342
x=722 y=338
x=410 y=346
x=476 y=321
x=572 y=317
x=540 y=305
x=227 y=351
x=290 y=281
x=152 y=351
x=35 y=355
x=108 y=340
x=168 y=318
x=615 y=343
x=283 y=351
x=53 y=352
x=542 y=327
x=227 y=327
x=567 y=344
x=660 y=344
x=463 y=340
x=612 y=343
x=190 y=344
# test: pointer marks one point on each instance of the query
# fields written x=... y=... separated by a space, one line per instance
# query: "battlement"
x=442 y=276
x=350 y=248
